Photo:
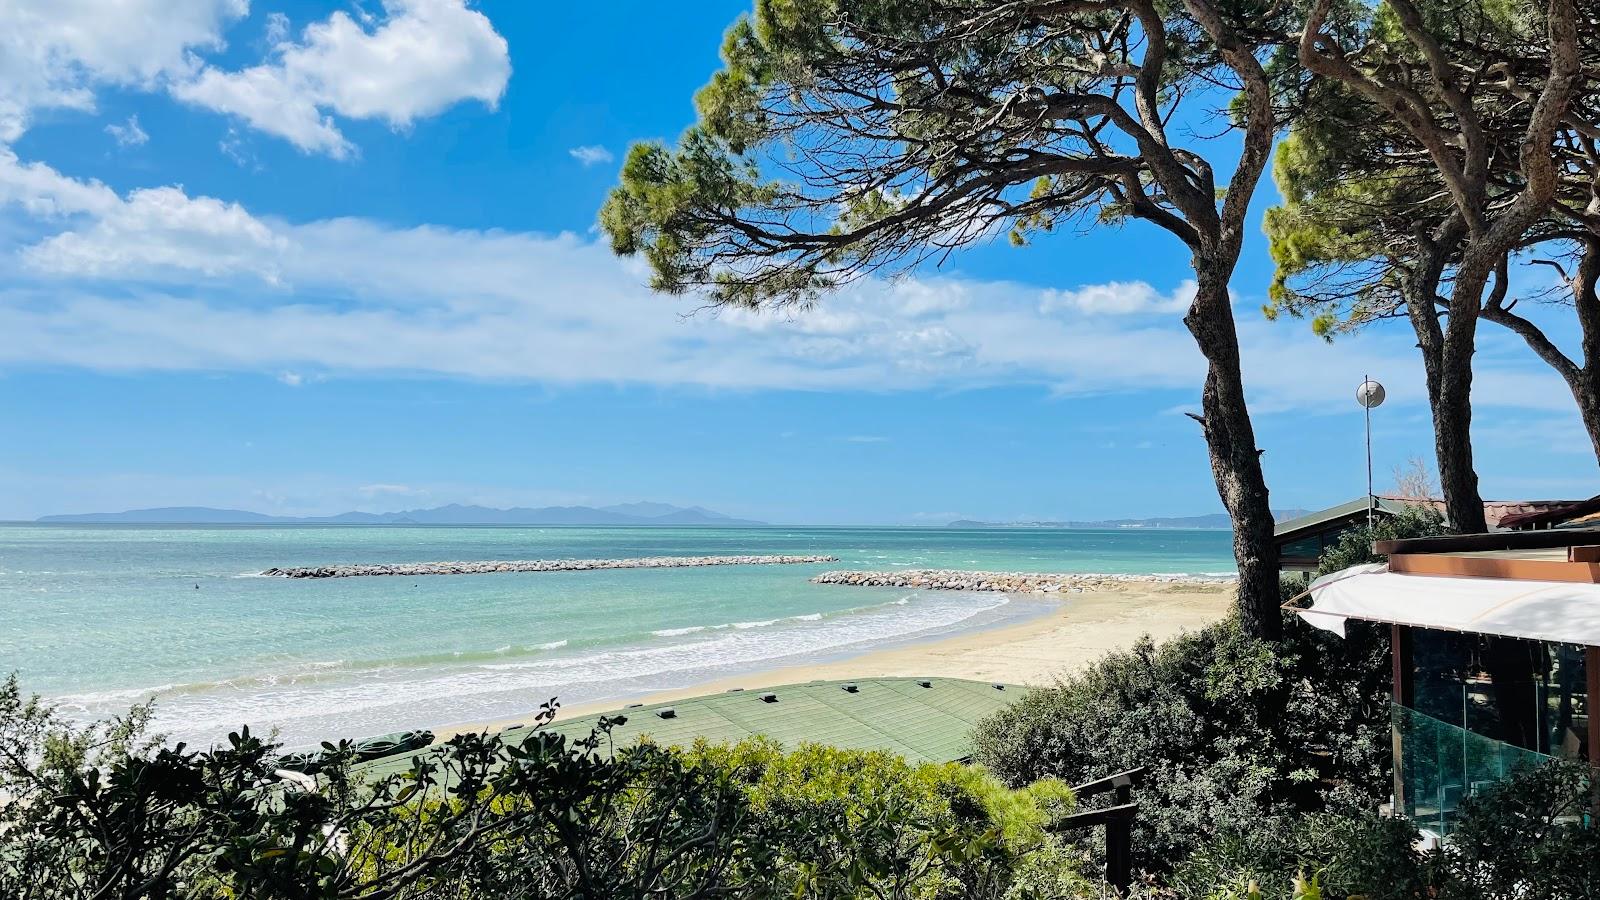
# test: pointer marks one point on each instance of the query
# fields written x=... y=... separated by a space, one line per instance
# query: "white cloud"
x=421 y=58
x=128 y=134
x=866 y=439
x=156 y=231
x=55 y=53
x=292 y=379
x=391 y=490
x=591 y=155
x=277 y=28
x=47 y=194
x=157 y=280
x=1119 y=298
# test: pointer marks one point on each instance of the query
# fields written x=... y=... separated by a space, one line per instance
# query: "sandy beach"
x=1081 y=629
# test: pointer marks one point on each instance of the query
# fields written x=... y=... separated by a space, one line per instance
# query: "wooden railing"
x=1117 y=819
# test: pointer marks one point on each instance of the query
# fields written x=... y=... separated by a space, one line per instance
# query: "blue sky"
x=307 y=257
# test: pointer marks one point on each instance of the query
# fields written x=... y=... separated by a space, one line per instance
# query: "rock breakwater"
x=537 y=565
x=1011 y=582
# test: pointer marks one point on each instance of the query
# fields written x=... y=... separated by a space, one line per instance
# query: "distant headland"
x=452 y=514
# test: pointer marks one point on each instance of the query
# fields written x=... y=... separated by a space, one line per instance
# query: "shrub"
x=1527 y=839
x=1349 y=853
x=1233 y=730
x=1354 y=547
x=1524 y=839
x=868 y=823
x=106 y=811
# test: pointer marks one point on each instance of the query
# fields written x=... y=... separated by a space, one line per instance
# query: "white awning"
x=1536 y=610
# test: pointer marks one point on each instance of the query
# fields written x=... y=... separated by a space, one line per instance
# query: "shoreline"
x=1036 y=652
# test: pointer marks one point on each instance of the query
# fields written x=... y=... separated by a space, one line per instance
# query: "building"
x=1495 y=651
x=1301 y=541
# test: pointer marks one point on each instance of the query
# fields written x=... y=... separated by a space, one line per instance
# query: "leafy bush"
x=1350 y=853
x=856 y=823
x=1233 y=730
x=1354 y=547
x=1524 y=839
x=1527 y=839
x=108 y=812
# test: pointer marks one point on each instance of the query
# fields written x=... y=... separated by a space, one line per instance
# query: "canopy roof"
x=1536 y=610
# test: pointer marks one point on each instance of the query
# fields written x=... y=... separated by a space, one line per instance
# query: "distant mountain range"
x=1214 y=520
x=453 y=514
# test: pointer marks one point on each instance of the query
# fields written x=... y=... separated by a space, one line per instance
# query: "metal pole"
x=1367 y=411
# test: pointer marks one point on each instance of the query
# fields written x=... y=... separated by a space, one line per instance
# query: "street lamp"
x=1370 y=395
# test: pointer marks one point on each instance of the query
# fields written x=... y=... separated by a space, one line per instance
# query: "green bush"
x=107 y=812
x=852 y=823
x=1352 y=853
x=1525 y=839
x=1233 y=730
x=1354 y=547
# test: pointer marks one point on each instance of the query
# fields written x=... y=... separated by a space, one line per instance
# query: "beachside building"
x=1301 y=540
x=1495 y=655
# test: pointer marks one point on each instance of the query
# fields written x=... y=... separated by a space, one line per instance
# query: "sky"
x=306 y=257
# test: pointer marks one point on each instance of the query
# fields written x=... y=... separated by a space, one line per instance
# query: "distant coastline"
x=627 y=514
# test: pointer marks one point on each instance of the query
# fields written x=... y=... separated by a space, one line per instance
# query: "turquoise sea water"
x=100 y=617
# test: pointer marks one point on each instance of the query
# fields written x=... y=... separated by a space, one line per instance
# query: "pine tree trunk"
x=1452 y=414
x=1586 y=302
x=1452 y=441
x=1235 y=460
x=1588 y=398
x=1447 y=366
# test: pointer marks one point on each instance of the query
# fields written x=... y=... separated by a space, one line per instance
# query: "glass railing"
x=1443 y=763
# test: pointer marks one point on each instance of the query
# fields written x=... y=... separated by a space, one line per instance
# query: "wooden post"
x=1400 y=660
x=1117 y=820
x=1591 y=676
x=1119 y=840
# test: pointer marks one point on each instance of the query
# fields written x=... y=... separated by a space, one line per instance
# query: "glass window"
x=1479 y=707
x=1529 y=694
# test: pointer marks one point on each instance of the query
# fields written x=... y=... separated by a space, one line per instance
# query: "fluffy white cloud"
x=161 y=230
x=44 y=193
x=591 y=155
x=424 y=56
x=54 y=53
x=1120 y=298
x=160 y=280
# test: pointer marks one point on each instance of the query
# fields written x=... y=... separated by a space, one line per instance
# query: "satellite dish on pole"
x=1370 y=394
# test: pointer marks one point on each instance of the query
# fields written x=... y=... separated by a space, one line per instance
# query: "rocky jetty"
x=1010 y=582
x=538 y=565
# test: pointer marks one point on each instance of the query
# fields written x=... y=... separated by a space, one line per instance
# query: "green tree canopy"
x=1421 y=159
x=848 y=137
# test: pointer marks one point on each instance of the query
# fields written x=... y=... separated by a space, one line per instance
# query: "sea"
x=99 y=618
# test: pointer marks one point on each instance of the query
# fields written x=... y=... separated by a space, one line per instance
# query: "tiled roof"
x=1503 y=513
x=1558 y=513
x=1497 y=513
